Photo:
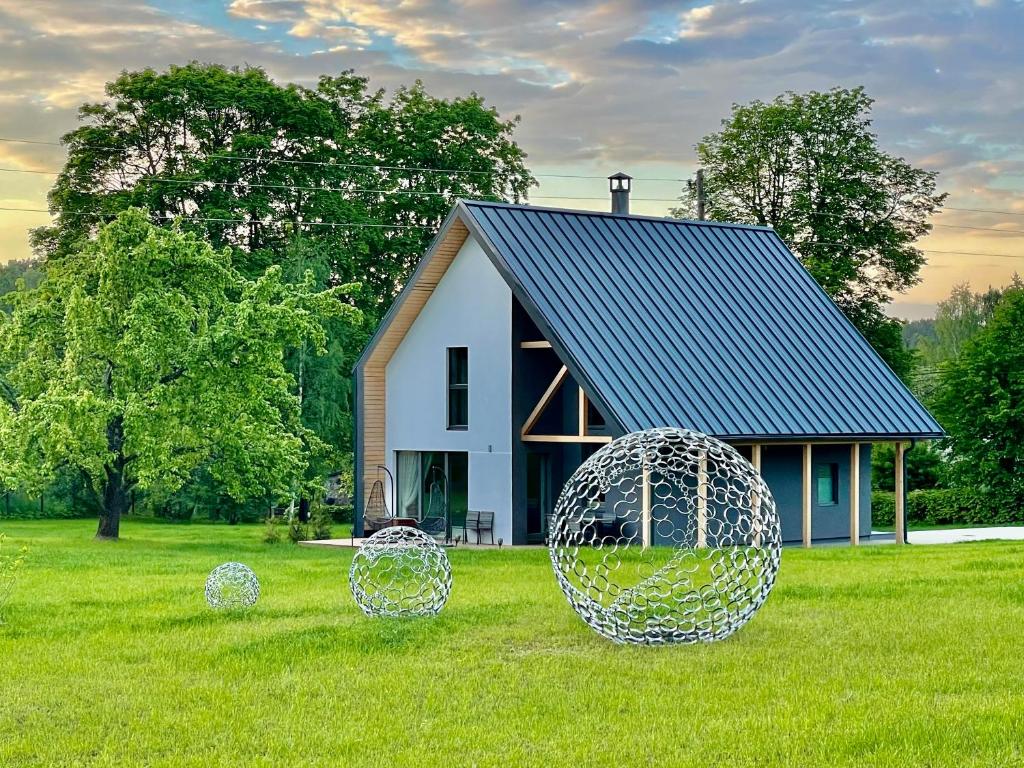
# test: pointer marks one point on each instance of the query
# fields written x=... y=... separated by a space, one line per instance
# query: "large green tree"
x=810 y=166
x=980 y=404
x=250 y=162
x=146 y=356
x=362 y=178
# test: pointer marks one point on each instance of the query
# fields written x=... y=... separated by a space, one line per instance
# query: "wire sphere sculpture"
x=400 y=571
x=232 y=585
x=665 y=536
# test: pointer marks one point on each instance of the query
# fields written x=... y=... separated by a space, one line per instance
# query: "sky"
x=600 y=85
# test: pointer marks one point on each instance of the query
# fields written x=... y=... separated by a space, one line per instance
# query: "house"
x=528 y=337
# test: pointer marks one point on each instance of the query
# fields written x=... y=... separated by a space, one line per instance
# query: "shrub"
x=10 y=565
x=20 y=506
x=944 y=506
x=297 y=530
x=272 y=530
x=320 y=522
x=925 y=467
x=341 y=513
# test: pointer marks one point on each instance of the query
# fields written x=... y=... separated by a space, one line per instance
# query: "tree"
x=809 y=166
x=958 y=319
x=249 y=163
x=925 y=467
x=364 y=180
x=26 y=270
x=980 y=403
x=148 y=355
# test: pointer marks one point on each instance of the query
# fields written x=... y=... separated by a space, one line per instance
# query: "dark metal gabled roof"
x=714 y=327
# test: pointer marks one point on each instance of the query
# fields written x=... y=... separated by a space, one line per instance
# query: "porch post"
x=900 y=497
x=755 y=497
x=855 y=494
x=806 y=495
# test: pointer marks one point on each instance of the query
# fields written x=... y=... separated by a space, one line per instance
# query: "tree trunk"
x=115 y=488
x=303 y=509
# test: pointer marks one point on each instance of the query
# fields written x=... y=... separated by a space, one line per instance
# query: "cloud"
x=601 y=84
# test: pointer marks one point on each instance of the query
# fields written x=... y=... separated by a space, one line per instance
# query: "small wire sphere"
x=400 y=571
x=665 y=536
x=231 y=586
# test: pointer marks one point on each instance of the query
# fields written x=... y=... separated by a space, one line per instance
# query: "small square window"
x=826 y=483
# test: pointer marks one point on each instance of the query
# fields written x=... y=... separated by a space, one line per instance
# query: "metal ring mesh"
x=665 y=536
x=232 y=585
x=400 y=571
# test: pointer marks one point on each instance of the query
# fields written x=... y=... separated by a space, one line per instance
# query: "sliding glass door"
x=433 y=484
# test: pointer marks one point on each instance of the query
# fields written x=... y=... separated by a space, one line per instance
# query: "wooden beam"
x=797 y=441
x=702 y=500
x=901 y=517
x=566 y=438
x=757 y=525
x=806 y=496
x=535 y=345
x=855 y=494
x=545 y=399
x=581 y=401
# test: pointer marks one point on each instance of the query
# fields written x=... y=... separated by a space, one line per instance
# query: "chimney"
x=618 y=183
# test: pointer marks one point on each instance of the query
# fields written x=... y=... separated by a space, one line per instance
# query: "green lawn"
x=877 y=656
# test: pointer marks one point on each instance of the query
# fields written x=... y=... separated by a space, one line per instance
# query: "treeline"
x=969 y=370
x=294 y=216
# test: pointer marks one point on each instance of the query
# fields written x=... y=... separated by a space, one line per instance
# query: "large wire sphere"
x=232 y=585
x=665 y=536
x=400 y=571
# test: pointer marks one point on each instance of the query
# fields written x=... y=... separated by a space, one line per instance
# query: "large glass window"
x=433 y=484
x=458 y=388
x=826 y=483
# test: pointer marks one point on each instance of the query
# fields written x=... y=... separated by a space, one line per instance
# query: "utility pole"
x=700 y=194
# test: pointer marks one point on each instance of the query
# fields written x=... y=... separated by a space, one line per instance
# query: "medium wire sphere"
x=400 y=571
x=665 y=536
x=232 y=585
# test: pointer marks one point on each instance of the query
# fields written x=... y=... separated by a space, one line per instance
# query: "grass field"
x=877 y=656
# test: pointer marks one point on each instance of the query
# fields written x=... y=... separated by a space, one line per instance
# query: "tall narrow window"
x=458 y=388
x=827 y=483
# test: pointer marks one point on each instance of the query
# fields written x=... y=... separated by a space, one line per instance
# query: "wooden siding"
x=373 y=393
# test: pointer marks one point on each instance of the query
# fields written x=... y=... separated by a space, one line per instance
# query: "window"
x=826 y=483
x=458 y=388
x=433 y=483
x=594 y=418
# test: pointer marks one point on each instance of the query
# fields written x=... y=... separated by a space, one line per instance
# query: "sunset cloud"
x=600 y=84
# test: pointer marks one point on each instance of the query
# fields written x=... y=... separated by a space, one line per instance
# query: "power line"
x=925 y=250
x=28 y=170
x=188 y=217
x=351 y=190
x=983 y=210
x=431 y=193
x=357 y=225
x=376 y=166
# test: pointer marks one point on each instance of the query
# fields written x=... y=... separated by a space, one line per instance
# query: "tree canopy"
x=338 y=179
x=809 y=166
x=147 y=355
x=980 y=403
x=249 y=162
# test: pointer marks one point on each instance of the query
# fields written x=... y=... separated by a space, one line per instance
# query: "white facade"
x=470 y=307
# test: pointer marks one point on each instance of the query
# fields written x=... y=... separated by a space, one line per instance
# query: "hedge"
x=943 y=506
x=19 y=506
